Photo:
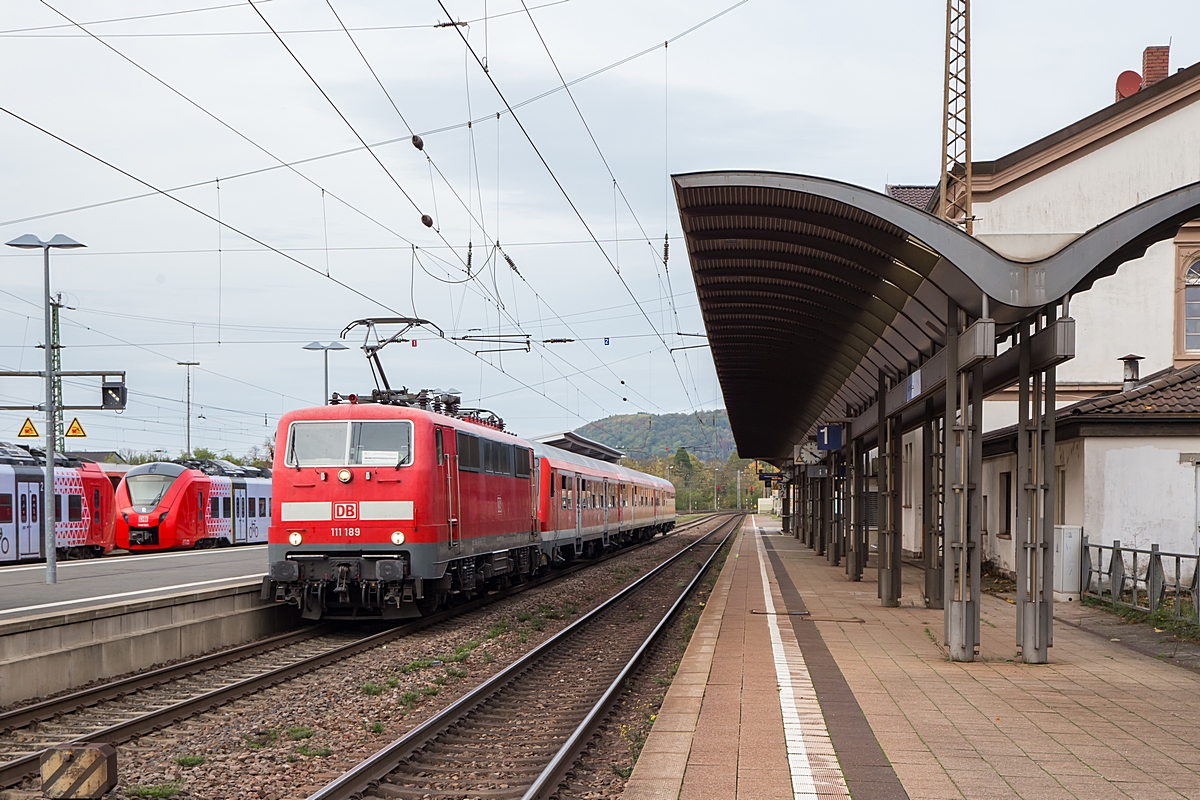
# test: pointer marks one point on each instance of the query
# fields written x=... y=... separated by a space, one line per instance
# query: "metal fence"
x=1142 y=579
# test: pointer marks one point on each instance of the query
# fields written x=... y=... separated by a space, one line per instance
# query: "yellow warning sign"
x=75 y=430
x=28 y=431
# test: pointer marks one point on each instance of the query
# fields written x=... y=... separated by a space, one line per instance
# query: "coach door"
x=240 y=523
x=446 y=446
x=29 y=520
x=577 y=495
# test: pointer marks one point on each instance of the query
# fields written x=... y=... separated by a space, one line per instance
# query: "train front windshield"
x=146 y=491
x=336 y=444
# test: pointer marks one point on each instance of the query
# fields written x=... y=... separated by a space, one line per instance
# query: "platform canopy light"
x=31 y=242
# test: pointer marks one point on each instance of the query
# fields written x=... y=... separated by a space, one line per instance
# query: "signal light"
x=344 y=475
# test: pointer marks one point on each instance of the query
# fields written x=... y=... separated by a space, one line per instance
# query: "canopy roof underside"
x=810 y=288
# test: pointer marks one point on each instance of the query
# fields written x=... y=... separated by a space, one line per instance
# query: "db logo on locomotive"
x=345 y=510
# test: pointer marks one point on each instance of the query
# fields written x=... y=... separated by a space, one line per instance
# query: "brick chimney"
x=1155 y=64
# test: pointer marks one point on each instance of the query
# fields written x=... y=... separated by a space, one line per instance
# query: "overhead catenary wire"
x=570 y=202
x=472 y=163
x=384 y=142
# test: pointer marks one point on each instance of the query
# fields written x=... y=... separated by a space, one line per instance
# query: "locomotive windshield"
x=372 y=444
x=148 y=490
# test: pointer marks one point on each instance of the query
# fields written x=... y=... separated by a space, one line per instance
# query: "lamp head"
x=32 y=242
x=314 y=346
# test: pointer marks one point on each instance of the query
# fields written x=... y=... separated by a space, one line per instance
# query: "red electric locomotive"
x=168 y=504
x=388 y=508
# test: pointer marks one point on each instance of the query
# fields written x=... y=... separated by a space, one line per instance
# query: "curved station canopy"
x=811 y=289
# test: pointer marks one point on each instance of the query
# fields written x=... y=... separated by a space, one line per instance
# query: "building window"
x=1191 y=308
x=1004 y=523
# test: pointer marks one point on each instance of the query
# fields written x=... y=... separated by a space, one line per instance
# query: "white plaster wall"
x=1069 y=455
x=1133 y=310
x=1078 y=195
x=1137 y=491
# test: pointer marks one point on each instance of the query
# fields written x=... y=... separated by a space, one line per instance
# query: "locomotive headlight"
x=344 y=475
x=397 y=537
x=295 y=538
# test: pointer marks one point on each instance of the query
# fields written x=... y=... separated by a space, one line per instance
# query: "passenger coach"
x=390 y=510
x=83 y=506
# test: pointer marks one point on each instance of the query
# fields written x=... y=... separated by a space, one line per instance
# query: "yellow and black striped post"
x=79 y=771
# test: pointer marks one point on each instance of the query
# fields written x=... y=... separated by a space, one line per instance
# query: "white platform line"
x=129 y=594
x=110 y=560
x=809 y=747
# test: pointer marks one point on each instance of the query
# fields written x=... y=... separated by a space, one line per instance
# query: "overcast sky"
x=850 y=91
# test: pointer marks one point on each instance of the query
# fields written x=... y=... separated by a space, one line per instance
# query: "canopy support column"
x=888 y=551
x=856 y=549
x=1035 y=507
x=964 y=459
x=932 y=452
x=837 y=505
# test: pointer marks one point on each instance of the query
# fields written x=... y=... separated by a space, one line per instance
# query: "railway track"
x=121 y=710
x=518 y=734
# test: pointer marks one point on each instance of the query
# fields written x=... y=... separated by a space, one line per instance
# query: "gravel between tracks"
x=287 y=741
x=605 y=766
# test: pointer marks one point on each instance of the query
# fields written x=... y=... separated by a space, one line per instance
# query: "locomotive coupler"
x=342 y=588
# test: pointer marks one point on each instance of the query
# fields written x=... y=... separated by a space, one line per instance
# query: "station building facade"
x=1127 y=451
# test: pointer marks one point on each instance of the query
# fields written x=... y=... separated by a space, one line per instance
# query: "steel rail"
x=15 y=771
x=548 y=782
x=370 y=772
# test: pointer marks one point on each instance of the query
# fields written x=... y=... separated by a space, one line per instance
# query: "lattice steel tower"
x=955 y=205
x=56 y=303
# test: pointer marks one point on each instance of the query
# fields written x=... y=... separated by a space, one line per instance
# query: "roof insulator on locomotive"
x=427 y=220
x=418 y=142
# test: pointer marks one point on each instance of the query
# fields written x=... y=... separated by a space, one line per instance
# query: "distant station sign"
x=768 y=477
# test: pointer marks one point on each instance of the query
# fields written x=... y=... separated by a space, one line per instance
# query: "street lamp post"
x=188 y=427
x=325 y=348
x=31 y=242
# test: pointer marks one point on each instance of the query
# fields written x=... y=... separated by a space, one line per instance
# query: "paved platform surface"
x=24 y=593
x=857 y=700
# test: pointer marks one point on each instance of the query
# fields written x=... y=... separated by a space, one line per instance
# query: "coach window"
x=6 y=510
x=251 y=507
x=199 y=506
x=95 y=506
x=215 y=511
x=262 y=506
x=74 y=508
x=226 y=508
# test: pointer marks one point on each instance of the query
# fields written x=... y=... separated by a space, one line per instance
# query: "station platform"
x=124 y=578
x=856 y=700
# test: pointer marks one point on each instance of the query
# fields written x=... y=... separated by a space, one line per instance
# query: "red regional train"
x=83 y=506
x=389 y=509
x=172 y=504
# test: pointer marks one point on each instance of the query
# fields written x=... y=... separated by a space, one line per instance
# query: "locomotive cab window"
x=332 y=444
